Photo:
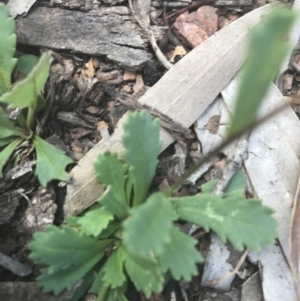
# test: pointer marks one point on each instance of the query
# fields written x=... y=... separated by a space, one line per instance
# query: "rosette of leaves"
x=25 y=96
x=130 y=235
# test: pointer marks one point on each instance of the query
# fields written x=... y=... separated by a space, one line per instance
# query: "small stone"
x=127 y=88
x=129 y=75
x=93 y=109
x=76 y=147
x=194 y=28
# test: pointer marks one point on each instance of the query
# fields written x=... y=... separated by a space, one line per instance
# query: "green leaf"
x=26 y=63
x=68 y=254
x=51 y=162
x=114 y=203
x=148 y=228
x=5 y=141
x=7 y=48
x=72 y=221
x=7 y=127
x=111 y=171
x=145 y=273
x=142 y=147
x=87 y=281
x=180 y=256
x=261 y=65
x=6 y=153
x=244 y=222
x=98 y=283
x=94 y=221
x=110 y=230
x=120 y=295
x=209 y=187
x=113 y=269
x=25 y=93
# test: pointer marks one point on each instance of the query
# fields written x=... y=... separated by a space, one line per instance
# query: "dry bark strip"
x=107 y=31
x=182 y=94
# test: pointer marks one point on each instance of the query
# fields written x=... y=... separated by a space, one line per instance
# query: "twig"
x=233 y=165
x=229 y=273
x=219 y=148
x=146 y=27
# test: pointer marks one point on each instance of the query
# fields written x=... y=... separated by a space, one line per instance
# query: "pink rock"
x=194 y=28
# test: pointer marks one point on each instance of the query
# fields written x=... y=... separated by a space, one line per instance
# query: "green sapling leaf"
x=7 y=48
x=68 y=254
x=98 y=283
x=94 y=221
x=51 y=162
x=245 y=222
x=148 y=228
x=5 y=141
x=6 y=153
x=113 y=269
x=142 y=147
x=114 y=203
x=7 y=127
x=144 y=272
x=111 y=172
x=180 y=256
x=26 y=63
x=24 y=94
x=261 y=65
x=87 y=281
x=120 y=295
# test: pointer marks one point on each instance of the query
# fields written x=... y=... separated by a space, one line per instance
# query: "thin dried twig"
x=229 y=273
x=140 y=10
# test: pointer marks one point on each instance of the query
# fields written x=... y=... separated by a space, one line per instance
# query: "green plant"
x=25 y=95
x=130 y=235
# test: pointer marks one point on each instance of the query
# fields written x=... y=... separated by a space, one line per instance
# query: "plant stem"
x=102 y=293
x=218 y=149
x=30 y=116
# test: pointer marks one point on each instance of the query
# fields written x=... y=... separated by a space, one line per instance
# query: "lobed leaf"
x=111 y=171
x=180 y=256
x=114 y=203
x=244 y=222
x=7 y=127
x=142 y=147
x=261 y=65
x=68 y=254
x=113 y=269
x=6 y=153
x=148 y=228
x=25 y=64
x=7 y=48
x=25 y=93
x=94 y=221
x=51 y=162
x=144 y=272
x=111 y=229
x=84 y=286
x=98 y=283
